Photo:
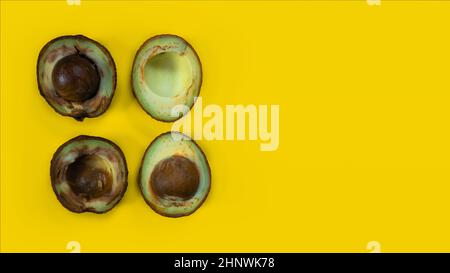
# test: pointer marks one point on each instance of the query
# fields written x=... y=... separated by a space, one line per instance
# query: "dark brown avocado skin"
x=132 y=72
x=83 y=115
x=53 y=173
x=150 y=204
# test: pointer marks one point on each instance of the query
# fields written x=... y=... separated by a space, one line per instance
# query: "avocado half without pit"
x=175 y=177
x=76 y=76
x=166 y=73
x=89 y=174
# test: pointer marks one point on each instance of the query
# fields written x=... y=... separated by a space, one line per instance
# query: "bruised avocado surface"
x=175 y=177
x=166 y=72
x=76 y=76
x=89 y=174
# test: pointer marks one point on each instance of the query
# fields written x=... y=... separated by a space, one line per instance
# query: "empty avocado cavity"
x=166 y=72
x=76 y=76
x=175 y=176
x=89 y=174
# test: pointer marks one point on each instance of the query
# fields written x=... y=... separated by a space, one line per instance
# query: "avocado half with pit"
x=166 y=73
x=76 y=76
x=89 y=174
x=175 y=177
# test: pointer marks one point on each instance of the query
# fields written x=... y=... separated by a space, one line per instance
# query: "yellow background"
x=364 y=126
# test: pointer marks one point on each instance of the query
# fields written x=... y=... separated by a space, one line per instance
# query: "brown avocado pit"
x=75 y=78
x=175 y=176
x=89 y=174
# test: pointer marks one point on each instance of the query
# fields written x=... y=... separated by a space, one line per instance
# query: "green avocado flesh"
x=89 y=174
x=76 y=76
x=175 y=177
x=166 y=73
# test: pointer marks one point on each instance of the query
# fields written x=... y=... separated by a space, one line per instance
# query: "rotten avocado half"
x=76 y=76
x=175 y=177
x=89 y=174
x=166 y=73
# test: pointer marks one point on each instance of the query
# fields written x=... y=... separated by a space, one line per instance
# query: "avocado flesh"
x=164 y=147
x=105 y=174
x=166 y=73
x=63 y=47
